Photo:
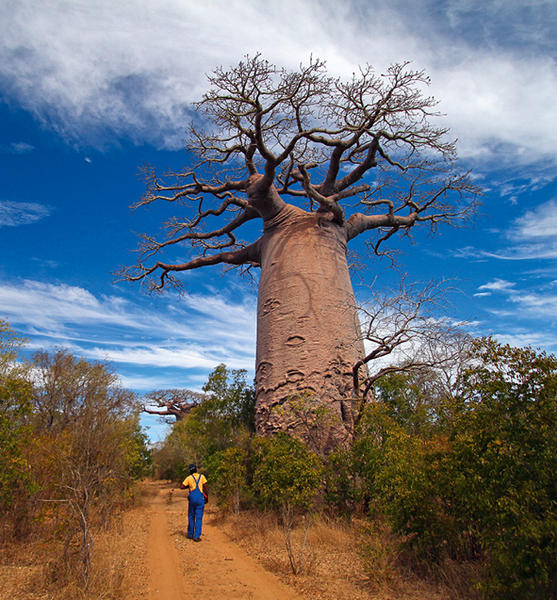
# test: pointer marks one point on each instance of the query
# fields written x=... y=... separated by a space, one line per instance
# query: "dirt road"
x=215 y=568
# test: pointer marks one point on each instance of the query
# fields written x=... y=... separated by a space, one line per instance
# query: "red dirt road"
x=215 y=569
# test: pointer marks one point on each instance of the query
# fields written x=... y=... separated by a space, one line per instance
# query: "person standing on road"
x=197 y=497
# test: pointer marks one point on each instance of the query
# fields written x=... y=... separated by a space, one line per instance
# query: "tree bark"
x=308 y=332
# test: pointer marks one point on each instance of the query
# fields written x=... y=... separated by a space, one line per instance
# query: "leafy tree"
x=222 y=419
x=231 y=396
x=403 y=454
x=229 y=477
x=10 y=344
x=476 y=477
x=419 y=402
x=318 y=161
x=16 y=483
x=69 y=389
x=286 y=472
x=91 y=447
x=506 y=457
x=137 y=455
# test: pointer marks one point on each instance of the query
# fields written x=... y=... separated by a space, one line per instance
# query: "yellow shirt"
x=189 y=482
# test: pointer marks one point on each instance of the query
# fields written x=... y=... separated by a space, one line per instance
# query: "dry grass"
x=342 y=560
x=35 y=569
x=345 y=561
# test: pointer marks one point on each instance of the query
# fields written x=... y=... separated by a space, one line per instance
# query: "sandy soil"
x=214 y=568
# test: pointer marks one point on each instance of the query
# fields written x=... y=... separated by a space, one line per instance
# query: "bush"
x=483 y=485
x=343 y=486
x=506 y=456
x=415 y=486
x=228 y=472
x=286 y=472
x=408 y=479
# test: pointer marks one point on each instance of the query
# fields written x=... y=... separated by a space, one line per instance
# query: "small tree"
x=231 y=396
x=287 y=477
x=16 y=483
x=286 y=472
x=90 y=444
x=223 y=418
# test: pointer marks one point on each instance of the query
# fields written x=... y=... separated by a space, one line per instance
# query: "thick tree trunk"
x=308 y=333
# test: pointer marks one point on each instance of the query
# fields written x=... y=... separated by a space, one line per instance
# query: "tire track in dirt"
x=215 y=569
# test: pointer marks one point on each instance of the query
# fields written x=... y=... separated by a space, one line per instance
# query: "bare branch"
x=402 y=326
x=141 y=272
x=418 y=200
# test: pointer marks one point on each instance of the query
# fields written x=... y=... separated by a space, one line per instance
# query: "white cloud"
x=13 y=214
x=21 y=147
x=199 y=333
x=16 y=147
x=533 y=236
x=534 y=339
x=497 y=285
x=529 y=181
x=524 y=252
x=135 y=67
x=536 y=303
x=51 y=307
x=538 y=223
x=159 y=380
x=183 y=356
x=495 y=110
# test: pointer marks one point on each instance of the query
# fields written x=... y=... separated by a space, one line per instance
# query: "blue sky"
x=90 y=91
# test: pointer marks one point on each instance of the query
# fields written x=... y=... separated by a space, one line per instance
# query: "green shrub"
x=505 y=452
x=343 y=485
x=415 y=487
x=375 y=429
x=228 y=473
x=286 y=472
x=484 y=484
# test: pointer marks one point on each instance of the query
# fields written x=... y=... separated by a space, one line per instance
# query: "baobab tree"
x=172 y=404
x=317 y=161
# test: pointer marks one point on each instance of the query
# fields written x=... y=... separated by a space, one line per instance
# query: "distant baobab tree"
x=317 y=161
x=172 y=404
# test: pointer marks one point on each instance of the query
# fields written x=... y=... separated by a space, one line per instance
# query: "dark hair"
x=193 y=468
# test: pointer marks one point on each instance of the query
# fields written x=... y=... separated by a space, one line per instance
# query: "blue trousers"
x=195 y=517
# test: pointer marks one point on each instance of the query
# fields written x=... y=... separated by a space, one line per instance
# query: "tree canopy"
x=366 y=151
